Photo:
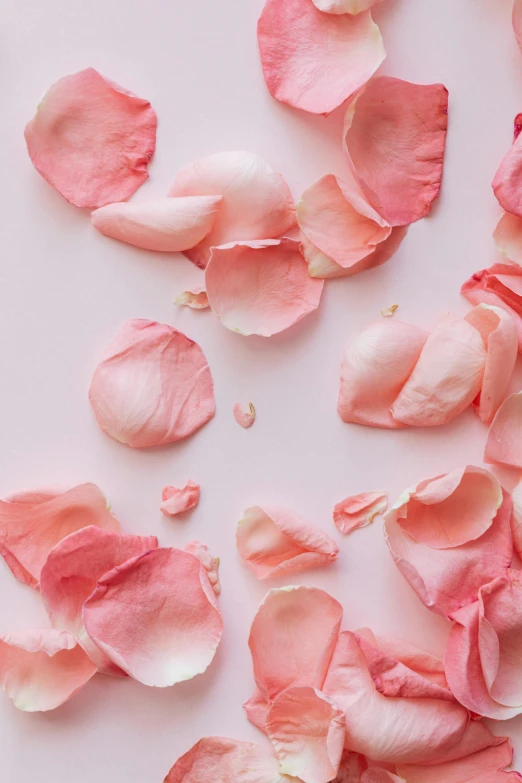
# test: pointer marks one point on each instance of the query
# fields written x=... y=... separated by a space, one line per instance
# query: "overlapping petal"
x=516 y=518
x=359 y=510
x=508 y=179
x=177 y=500
x=504 y=444
x=501 y=286
x=508 y=236
x=208 y=561
x=485 y=766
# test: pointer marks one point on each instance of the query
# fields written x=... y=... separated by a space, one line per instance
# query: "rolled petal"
x=486 y=766
x=245 y=415
x=508 y=179
x=315 y=61
x=501 y=286
x=359 y=510
x=176 y=501
x=167 y=224
x=395 y=136
x=196 y=299
x=153 y=386
x=39 y=670
x=91 y=139
x=307 y=731
x=256 y=202
x=508 y=236
x=260 y=287
x=156 y=617
x=504 y=444
x=32 y=524
x=273 y=541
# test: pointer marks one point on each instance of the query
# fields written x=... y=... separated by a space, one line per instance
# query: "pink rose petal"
x=359 y=510
x=176 y=501
x=256 y=202
x=423 y=664
x=517 y=21
x=208 y=561
x=273 y=541
x=351 y=768
x=507 y=181
x=91 y=139
x=486 y=766
x=322 y=266
x=156 y=617
x=516 y=518
x=380 y=775
x=257 y=708
x=167 y=224
x=195 y=298
x=508 y=236
x=153 y=386
x=41 y=669
x=260 y=287
x=245 y=415
x=344 y=6
x=501 y=286
x=32 y=524
x=504 y=444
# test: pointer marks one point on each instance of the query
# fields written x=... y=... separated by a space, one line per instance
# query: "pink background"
x=65 y=290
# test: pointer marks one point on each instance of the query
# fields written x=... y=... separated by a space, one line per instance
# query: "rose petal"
x=486 y=766
x=256 y=202
x=31 y=526
x=322 y=266
x=508 y=236
x=196 y=299
x=315 y=61
x=41 y=669
x=375 y=367
x=504 y=446
x=351 y=768
x=260 y=287
x=208 y=561
x=167 y=224
x=506 y=182
x=359 y=510
x=516 y=518
x=395 y=135
x=344 y=6
x=176 y=501
x=380 y=775
x=91 y=139
x=153 y=386
x=273 y=541
x=156 y=617
x=517 y=21
x=307 y=731
x=257 y=708
x=501 y=286
x=422 y=663
x=244 y=415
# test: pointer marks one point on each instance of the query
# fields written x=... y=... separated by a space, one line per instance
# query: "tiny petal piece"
x=245 y=415
x=359 y=510
x=260 y=287
x=91 y=139
x=387 y=312
x=344 y=6
x=501 y=286
x=196 y=298
x=153 y=386
x=176 y=501
x=273 y=541
x=504 y=443
x=312 y=60
x=486 y=766
x=508 y=236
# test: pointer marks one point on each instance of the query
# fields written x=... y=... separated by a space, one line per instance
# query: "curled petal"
x=176 y=501
x=344 y=6
x=504 y=445
x=260 y=287
x=256 y=203
x=91 y=139
x=208 y=561
x=244 y=415
x=508 y=236
x=427 y=666
x=359 y=510
x=322 y=266
x=486 y=766
x=39 y=670
x=156 y=617
x=501 y=286
x=315 y=61
x=508 y=179
x=196 y=299
x=274 y=542
x=153 y=386
x=257 y=708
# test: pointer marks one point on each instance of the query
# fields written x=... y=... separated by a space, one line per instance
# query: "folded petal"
x=256 y=202
x=260 y=287
x=156 y=617
x=176 y=501
x=32 y=524
x=245 y=415
x=41 y=669
x=508 y=236
x=508 y=179
x=504 y=445
x=501 y=286
x=516 y=518
x=486 y=766
x=344 y=6
x=208 y=561
x=196 y=299
x=395 y=135
x=315 y=61
x=273 y=541
x=91 y=139
x=359 y=510
x=153 y=386
x=257 y=708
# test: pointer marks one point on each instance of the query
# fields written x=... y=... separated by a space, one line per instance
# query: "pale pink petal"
x=517 y=21
x=359 y=510
x=167 y=224
x=176 y=501
x=315 y=61
x=508 y=236
x=196 y=298
x=156 y=617
x=153 y=386
x=322 y=266
x=260 y=287
x=516 y=518
x=245 y=415
x=256 y=201
x=41 y=669
x=446 y=378
x=395 y=135
x=422 y=663
x=504 y=443
x=307 y=731
x=500 y=338
x=486 y=766
x=257 y=708
x=501 y=286
x=32 y=524
x=91 y=139
x=344 y=6
x=374 y=369
x=273 y=541
x=508 y=179
x=208 y=561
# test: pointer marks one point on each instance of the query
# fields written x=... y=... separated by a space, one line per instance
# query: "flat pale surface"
x=65 y=290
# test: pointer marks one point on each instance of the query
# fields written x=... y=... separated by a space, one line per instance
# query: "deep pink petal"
x=176 y=501
x=486 y=766
x=359 y=510
x=508 y=236
x=504 y=443
x=245 y=415
x=195 y=298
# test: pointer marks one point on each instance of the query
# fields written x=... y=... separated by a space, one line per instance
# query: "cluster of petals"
x=500 y=286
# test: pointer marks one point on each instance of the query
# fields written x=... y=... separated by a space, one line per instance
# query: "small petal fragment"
x=322 y=266
x=359 y=510
x=91 y=139
x=387 y=312
x=315 y=61
x=508 y=236
x=504 y=443
x=486 y=766
x=176 y=501
x=260 y=287
x=39 y=670
x=501 y=286
x=245 y=415
x=273 y=542
x=153 y=386
x=344 y=6
x=195 y=298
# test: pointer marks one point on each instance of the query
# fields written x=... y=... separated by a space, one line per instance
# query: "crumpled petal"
x=31 y=524
x=322 y=266
x=153 y=386
x=344 y=6
x=501 y=286
x=260 y=287
x=208 y=561
x=359 y=510
x=307 y=731
x=508 y=236
x=176 y=501
x=315 y=61
x=395 y=135
x=486 y=766
x=508 y=179
x=167 y=224
x=156 y=617
x=504 y=444
x=41 y=669
x=196 y=298
x=273 y=541
x=244 y=415
x=71 y=573
x=256 y=202
x=91 y=139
